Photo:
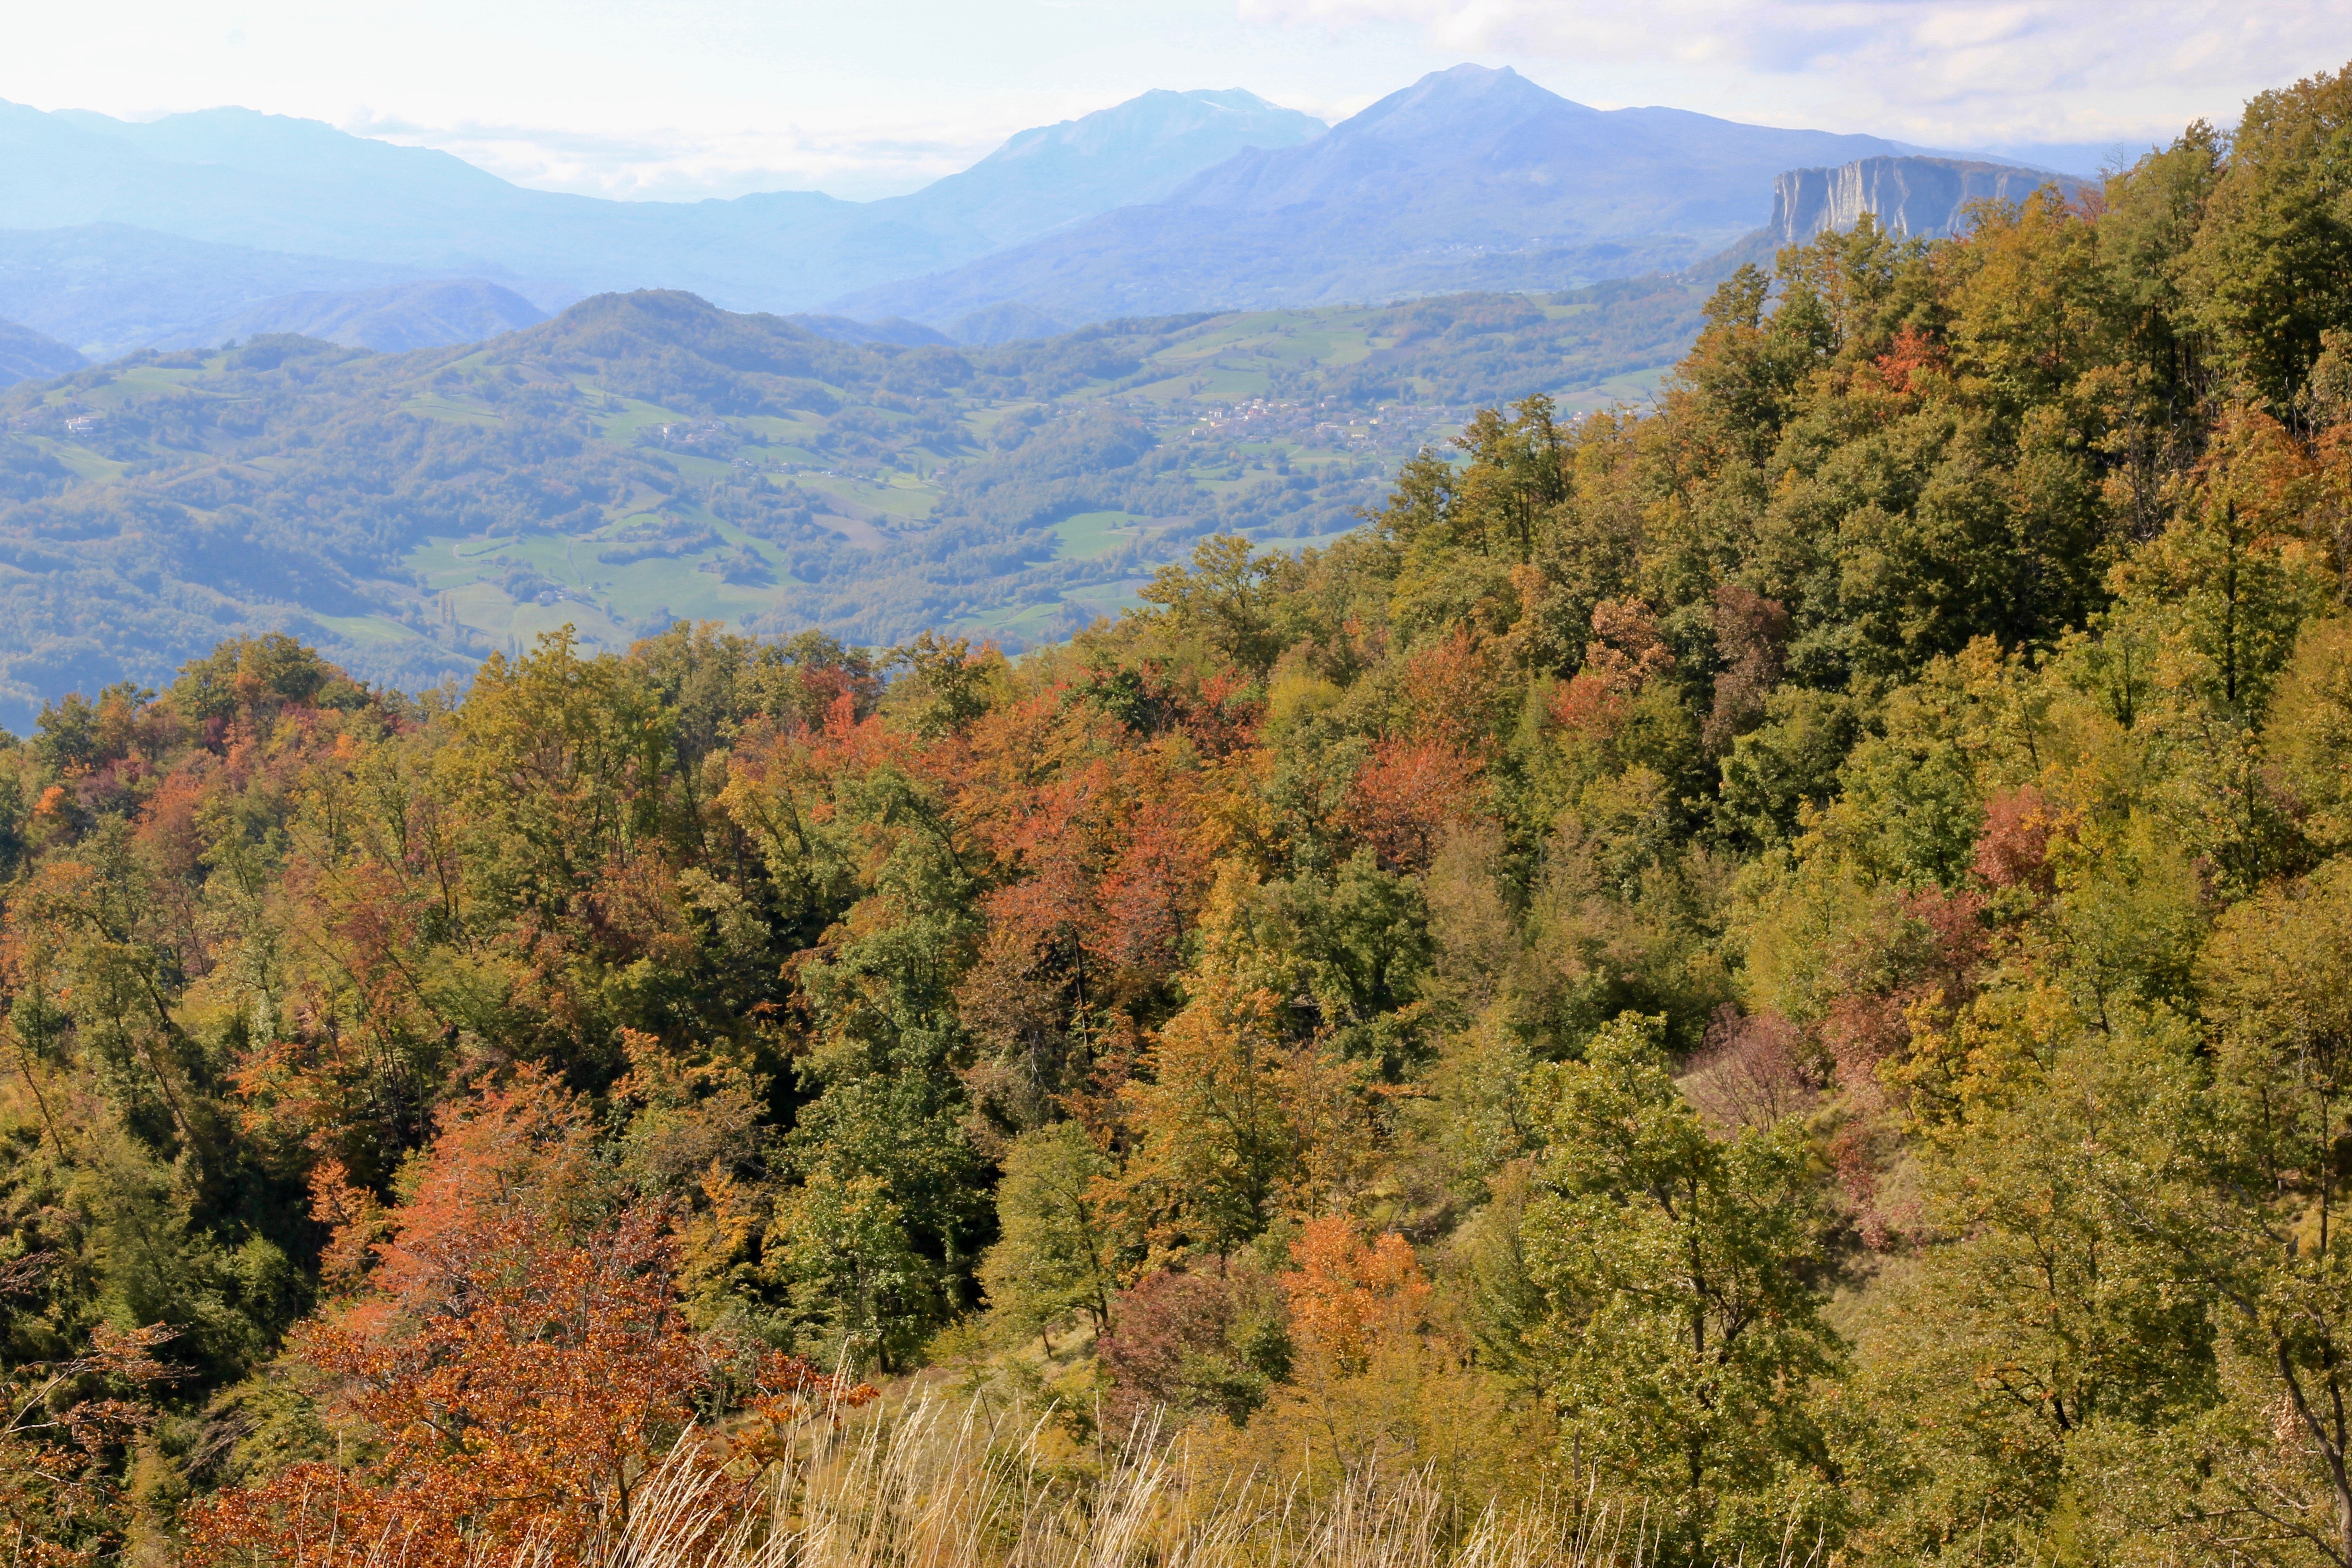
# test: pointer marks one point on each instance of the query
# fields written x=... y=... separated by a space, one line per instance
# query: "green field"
x=1099 y=534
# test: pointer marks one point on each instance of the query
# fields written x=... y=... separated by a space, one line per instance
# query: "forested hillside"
x=1781 y=969
x=646 y=456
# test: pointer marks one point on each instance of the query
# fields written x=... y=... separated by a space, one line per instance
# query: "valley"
x=649 y=457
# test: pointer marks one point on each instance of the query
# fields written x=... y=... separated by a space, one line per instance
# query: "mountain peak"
x=1472 y=112
x=1464 y=95
x=1162 y=115
x=1470 y=178
x=1134 y=152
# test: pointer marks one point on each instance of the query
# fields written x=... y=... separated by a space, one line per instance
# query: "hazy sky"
x=861 y=98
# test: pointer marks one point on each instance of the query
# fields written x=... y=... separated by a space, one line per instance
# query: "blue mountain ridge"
x=203 y=226
x=276 y=185
x=1471 y=178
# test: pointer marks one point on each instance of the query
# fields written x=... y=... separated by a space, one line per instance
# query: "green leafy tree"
x=1227 y=600
x=2018 y=1392
x=863 y=1296
x=1051 y=1259
x=1683 y=1275
x=2247 y=1197
x=559 y=760
x=2272 y=266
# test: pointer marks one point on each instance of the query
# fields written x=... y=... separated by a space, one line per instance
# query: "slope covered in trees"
x=647 y=457
x=1781 y=964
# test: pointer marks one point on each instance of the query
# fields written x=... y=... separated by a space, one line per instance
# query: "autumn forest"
x=1777 y=966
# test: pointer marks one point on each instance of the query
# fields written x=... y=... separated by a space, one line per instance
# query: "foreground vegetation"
x=1780 y=970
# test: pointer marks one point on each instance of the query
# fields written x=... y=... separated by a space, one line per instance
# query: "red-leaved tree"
x=512 y=1365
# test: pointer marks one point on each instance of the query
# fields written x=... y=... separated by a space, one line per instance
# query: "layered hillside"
x=648 y=455
x=393 y=320
x=26 y=355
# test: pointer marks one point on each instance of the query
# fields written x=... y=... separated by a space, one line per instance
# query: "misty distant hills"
x=107 y=288
x=391 y=320
x=199 y=227
x=1007 y=323
x=267 y=182
x=111 y=289
x=1471 y=178
x=890 y=330
x=150 y=209
x=26 y=355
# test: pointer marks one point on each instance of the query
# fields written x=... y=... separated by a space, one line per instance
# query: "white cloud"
x=1947 y=71
x=678 y=163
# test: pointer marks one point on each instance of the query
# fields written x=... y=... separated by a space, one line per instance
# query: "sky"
x=685 y=98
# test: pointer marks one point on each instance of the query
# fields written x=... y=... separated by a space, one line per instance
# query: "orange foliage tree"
x=1349 y=1296
x=513 y=1364
x=1405 y=797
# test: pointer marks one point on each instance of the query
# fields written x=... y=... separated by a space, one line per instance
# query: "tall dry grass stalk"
x=937 y=1484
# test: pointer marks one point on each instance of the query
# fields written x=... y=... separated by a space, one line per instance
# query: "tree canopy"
x=1780 y=963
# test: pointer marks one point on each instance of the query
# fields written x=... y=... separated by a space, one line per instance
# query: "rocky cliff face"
x=1926 y=197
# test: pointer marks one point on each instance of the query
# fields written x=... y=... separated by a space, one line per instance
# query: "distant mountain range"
x=392 y=320
x=197 y=228
x=1471 y=178
x=146 y=233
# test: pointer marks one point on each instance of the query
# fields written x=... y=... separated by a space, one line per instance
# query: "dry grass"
x=941 y=1484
